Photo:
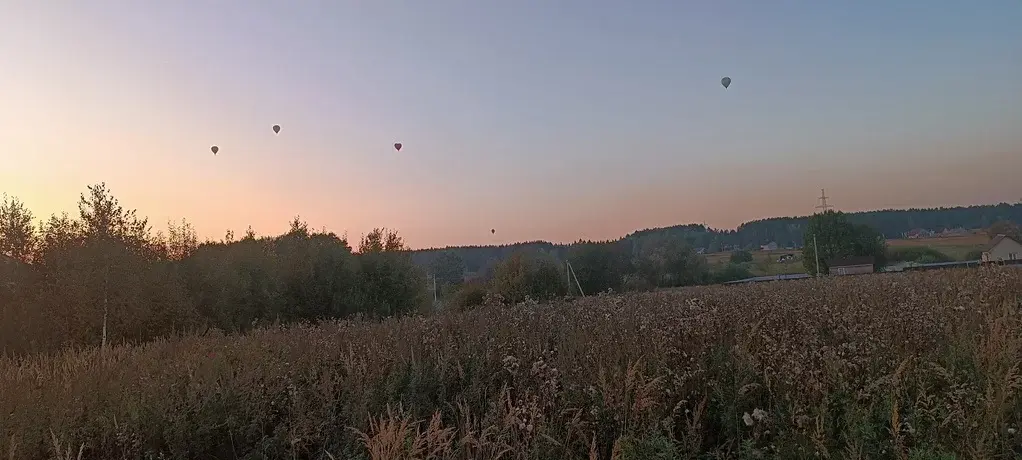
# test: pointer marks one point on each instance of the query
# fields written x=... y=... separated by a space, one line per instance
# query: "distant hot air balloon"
x=726 y=81
x=215 y=149
x=493 y=230
x=276 y=129
x=398 y=146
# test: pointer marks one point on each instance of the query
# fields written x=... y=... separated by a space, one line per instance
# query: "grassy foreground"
x=902 y=366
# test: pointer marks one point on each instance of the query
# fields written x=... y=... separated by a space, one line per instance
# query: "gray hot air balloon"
x=726 y=81
x=215 y=149
x=397 y=146
x=276 y=129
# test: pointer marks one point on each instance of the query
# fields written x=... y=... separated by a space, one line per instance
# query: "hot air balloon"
x=215 y=149
x=493 y=230
x=726 y=81
x=398 y=146
x=276 y=129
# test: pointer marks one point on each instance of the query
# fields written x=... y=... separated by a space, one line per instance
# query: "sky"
x=540 y=119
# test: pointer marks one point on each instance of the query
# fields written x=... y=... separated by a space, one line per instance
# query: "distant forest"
x=785 y=231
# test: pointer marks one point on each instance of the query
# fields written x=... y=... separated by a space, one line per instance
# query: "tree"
x=831 y=235
x=102 y=217
x=599 y=266
x=730 y=272
x=390 y=282
x=381 y=240
x=1006 y=228
x=181 y=241
x=669 y=261
x=449 y=269
x=17 y=233
x=250 y=235
x=533 y=276
x=60 y=234
x=298 y=228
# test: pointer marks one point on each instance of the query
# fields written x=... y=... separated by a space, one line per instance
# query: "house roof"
x=997 y=240
x=848 y=261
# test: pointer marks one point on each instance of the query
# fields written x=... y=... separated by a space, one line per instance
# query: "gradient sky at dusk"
x=544 y=119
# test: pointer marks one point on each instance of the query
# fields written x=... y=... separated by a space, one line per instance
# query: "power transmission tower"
x=823 y=206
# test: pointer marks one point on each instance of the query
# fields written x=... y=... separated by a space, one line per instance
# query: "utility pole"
x=816 y=251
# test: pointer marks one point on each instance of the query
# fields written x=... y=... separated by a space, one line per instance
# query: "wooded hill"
x=785 y=231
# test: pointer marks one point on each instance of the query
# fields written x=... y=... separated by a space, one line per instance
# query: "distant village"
x=1001 y=249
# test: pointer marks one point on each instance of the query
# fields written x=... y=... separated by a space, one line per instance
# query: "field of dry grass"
x=957 y=247
x=918 y=365
x=763 y=262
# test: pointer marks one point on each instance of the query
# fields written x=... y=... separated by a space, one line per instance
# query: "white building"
x=1002 y=248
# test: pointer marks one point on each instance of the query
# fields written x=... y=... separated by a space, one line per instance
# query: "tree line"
x=785 y=231
x=104 y=276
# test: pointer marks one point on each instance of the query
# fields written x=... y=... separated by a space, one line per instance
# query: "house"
x=851 y=265
x=918 y=233
x=1002 y=248
x=957 y=231
x=771 y=246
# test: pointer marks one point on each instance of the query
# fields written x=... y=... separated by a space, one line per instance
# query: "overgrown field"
x=963 y=247
x=918 y=365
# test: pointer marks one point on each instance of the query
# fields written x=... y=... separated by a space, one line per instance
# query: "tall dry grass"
x=899 y=366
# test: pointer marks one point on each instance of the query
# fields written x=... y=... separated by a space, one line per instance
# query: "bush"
x=731 y=272
x=741 y=256
x=469 y=294
x=974 y=255
x=918 y=254
x=523 y=276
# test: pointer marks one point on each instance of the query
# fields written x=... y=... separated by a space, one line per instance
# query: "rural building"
x=957 y=231
x=918 y=233
x=1002 y=249
x=771 y=246
x=851 y=265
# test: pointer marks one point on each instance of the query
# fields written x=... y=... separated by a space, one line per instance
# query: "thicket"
x=104 y=276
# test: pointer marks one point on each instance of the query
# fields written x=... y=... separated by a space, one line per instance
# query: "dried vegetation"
x=900 y=366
